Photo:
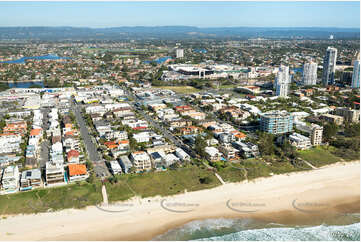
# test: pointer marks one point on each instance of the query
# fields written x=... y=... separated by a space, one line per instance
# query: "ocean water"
x=249 y=229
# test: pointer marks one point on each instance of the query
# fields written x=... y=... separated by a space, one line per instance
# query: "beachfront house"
x=9 y=180
x=30 y=179
x=77 y=172
x=141 y=161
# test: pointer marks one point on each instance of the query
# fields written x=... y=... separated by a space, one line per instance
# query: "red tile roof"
x=73 y=153
x=76 y=169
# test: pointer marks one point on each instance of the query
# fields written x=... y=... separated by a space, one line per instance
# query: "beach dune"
x=296 y=198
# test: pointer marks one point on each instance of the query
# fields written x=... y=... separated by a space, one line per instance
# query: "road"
x=100 y=168
x=45 y=144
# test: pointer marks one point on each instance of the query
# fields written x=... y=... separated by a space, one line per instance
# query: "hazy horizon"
x=193 y=14
x=160 y=26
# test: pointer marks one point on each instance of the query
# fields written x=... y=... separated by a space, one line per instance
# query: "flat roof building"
x=30 y=179
x=276 y=122
x=10 y=180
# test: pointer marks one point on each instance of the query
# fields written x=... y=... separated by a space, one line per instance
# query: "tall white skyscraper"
x=329 y=65
x=282 y=81
x=309 y=74
x=179 y=53
x=283 y=75
x=282 y=89
x=356 y=75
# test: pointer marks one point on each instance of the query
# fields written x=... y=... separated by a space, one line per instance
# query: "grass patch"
x=232 y=173
x=165 y=183
x=319 y=156
x=51 y=199
x=252 y=168
x=181 y=89
x=228 y=86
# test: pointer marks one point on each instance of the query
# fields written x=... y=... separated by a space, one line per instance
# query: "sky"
x=200 y=14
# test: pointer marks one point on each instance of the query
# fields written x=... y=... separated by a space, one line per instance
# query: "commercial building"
x=309 y=74
x=356 y=75
x=276 y=122
x=329 y=65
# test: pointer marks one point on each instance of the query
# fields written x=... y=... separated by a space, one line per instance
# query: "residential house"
x=212 y=154
x=190 y=130
x=229 y=152
x=181 y=154
x=247 y=150
x=30 y=179
x=141 y=137
x=125 y=163
x=179 y=123
x=54 y=173
x=116 y=169
x=73 y=156
x=10 y=177
x=77 y=172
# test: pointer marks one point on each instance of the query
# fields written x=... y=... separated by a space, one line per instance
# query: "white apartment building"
x=356 y=75
x=181 y=154
x=213 y=153
x=179 y=53
x=54 y=173
x=300 y=141
x=316 y=134
x=116 y=169
x=141 y=161
x=309 y=74
x=141 y=137
x=10 y=177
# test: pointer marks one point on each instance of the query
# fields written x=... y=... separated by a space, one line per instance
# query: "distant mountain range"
x=174 y=32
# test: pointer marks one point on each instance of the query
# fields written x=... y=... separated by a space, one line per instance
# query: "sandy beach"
x=296 y=198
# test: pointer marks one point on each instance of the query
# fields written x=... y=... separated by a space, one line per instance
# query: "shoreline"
x=292 y=199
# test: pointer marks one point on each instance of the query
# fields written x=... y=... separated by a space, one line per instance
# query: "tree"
x=288 y=149
x=352 y=129
x=329 y=130
x=91 y=178
x=200 y=145
x=265 y=144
